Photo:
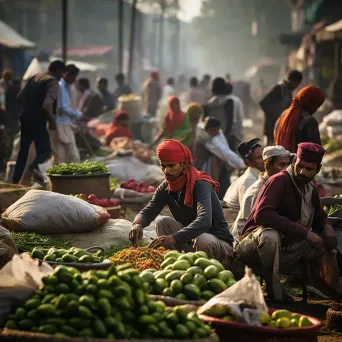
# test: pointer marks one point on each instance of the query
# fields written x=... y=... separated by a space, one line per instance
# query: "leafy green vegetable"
x=86 y=167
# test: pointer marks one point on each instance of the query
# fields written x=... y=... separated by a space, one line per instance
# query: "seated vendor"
x=287 y=224
x=119 y=128
x=276 y=159
x=198 y=222
x=251 y=152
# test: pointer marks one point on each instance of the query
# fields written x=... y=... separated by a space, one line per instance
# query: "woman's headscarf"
x=173 y=119
x=116 y=130
x=194 y=111
x=308 y=99
x=174 y=151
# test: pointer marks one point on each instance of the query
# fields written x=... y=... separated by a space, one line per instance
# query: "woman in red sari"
x=119 y=128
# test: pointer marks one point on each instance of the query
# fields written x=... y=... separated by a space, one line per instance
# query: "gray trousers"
x=265 y=246
x=214 y=247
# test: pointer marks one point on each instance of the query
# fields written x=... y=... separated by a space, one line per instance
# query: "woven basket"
x=21 y=336
x=85 y=267
x=170 y=301
x=241 y=332
x=334 y=318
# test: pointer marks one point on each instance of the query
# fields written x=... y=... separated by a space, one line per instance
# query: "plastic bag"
x=47 y=212
x=19 y=279
x=244 y=300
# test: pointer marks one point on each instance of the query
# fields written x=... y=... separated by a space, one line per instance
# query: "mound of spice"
x=141 y=258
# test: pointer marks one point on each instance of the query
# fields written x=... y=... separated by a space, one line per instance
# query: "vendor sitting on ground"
x=119 y=128
x=251 y=152
x=287 y=224
x=198 y=222
x=276 y=159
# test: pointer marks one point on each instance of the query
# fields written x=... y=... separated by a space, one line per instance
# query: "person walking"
x=152 y=93
x=39 y=102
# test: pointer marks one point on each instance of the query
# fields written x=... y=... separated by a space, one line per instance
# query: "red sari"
x=117 y=130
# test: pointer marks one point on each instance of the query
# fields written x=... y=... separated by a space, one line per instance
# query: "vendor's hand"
x=162 y=241
x=315 y=240
x=136 y=233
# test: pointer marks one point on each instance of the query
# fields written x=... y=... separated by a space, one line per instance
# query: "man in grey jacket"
x=198 y=222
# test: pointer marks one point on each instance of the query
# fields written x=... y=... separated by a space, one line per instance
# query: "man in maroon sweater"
x=287 y=224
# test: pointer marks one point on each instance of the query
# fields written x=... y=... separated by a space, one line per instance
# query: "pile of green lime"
x=73 y=254
x=190 y=276
x=103 y=304
x=282 y=319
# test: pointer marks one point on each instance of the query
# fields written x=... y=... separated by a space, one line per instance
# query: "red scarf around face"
x=174 y=151
x=173 y=119
x=308 y=99
x=116 y=130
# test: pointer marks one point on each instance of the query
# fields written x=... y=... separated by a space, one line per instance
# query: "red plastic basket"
x=240 y=332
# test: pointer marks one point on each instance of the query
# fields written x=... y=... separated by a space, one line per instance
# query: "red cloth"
x=155 y=75
x=174 y=151
x=308 y=99
x=116 y=130
x=173 y=119
x=310 y=152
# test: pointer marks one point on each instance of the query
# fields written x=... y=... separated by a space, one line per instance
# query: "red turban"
x=308 y=99
x=310 y=152
x=174 y=151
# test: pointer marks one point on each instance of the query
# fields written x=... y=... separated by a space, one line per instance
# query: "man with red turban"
x=297 y=123
x=198 y=222
x=287 y=225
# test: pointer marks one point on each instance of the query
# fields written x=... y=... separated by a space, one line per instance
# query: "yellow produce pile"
x=129 y=97
x=142 y=258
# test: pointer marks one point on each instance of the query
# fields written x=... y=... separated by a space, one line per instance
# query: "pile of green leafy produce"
x=103 y=304
x=331 y=145
x=102 y=152
x=190 y=276
x=332 y=209
x=26 y=242
x=85 y=168
x=73 y=254
x=114 y=184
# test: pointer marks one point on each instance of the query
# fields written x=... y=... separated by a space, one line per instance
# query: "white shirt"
x=168 y=91
x=247 y=205
x=235 y=192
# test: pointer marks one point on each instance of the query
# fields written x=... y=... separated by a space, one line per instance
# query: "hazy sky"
x=190 y=9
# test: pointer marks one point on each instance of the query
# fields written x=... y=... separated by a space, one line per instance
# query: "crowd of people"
x=273 y=215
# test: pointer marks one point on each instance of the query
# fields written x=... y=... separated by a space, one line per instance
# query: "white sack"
x=47 y=212
x=19 y=279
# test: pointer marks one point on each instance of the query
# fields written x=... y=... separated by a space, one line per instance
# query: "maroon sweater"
x=278 y=206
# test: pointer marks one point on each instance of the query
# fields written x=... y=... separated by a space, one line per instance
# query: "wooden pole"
x=132 y=40
x=120 y=34
x=161 y=35
x=64 y=30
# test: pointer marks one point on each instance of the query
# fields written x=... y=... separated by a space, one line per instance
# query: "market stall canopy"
x=335 y=27
x=12 y=39
x=86 y=51
x=80 y=65
x=330 y=32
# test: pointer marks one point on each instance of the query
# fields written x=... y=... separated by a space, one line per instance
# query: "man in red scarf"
x=287 y=225
x=297 y=124
x=198 y=222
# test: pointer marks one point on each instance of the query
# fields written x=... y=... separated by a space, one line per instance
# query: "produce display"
x=85 y=168
x=278 y=319
x=73 y=254
x=331 y=144
x=103 y=304
x=332 y=209
x=190 y=276
x=141 y=258
x=137 y=186
x=103 y=202
x=102 y=152
x=26 y=241
x=128 y=98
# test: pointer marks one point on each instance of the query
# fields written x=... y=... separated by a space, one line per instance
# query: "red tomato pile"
x=103 y=202
x=137 y=186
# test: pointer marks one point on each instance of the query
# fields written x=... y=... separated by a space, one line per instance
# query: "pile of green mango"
x=282 y=319
x=190 y=276
x=73 y=254
x=104 y=304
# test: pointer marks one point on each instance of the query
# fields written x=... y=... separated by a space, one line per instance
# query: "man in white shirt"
x=251 y=152
x=63 y=143
x=276 y=159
